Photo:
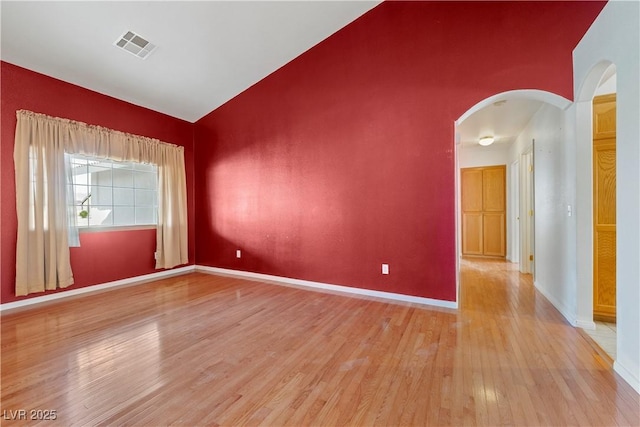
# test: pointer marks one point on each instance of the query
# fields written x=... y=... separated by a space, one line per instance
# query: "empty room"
x=291 y=213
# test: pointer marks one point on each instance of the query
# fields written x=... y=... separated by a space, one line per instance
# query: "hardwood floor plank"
x=211 y=350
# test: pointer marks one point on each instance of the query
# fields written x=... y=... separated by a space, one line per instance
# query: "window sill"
x=82 y=230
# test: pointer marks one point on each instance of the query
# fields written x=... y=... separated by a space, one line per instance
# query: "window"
x=107 y=193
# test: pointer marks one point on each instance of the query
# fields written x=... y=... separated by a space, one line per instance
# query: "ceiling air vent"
x=134 y=44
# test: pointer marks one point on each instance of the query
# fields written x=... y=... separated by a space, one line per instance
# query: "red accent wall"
x=344 y=158
x=105 y=256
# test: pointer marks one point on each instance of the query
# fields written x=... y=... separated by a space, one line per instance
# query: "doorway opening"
x=504 y=117
x=596 y=261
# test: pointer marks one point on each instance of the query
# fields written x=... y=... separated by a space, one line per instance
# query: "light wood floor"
x=209 y=350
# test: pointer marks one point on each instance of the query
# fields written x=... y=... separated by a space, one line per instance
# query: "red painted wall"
x=344 y=158
x=105 y=256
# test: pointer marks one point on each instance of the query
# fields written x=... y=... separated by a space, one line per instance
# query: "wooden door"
x=483 y=211
x=472 y=212
x=604 y=208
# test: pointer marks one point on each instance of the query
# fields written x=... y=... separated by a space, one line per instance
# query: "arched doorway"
x=612 y=38
x=587 y=254
x=520 y=228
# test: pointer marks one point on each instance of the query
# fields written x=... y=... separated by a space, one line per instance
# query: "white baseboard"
x=558 y=305
x=327 y=286
x=589 y=325
x=627 y=375
x=97 y=288
x=222 y=271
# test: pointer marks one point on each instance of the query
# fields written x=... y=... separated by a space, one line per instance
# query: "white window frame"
x=135 y=195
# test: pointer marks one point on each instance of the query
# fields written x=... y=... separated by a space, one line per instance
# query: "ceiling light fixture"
x=135 y=44
x=486 y=140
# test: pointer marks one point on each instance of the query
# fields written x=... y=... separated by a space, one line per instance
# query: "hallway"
x=551 y=369
x=201 y=349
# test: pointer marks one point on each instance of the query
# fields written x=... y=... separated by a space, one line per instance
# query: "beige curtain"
x=171 y=236
x=43 y=248
x=42 y=251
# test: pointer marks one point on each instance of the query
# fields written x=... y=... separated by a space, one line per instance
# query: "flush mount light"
x=486 y=140
x=135 y=44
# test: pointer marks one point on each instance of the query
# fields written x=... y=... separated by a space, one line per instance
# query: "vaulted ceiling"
x=207 y=51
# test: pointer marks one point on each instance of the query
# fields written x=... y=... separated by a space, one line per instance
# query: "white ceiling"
x=208 y=51
x=504 y=120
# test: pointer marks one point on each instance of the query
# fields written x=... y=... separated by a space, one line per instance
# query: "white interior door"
x=527 y=222
x=514 y=214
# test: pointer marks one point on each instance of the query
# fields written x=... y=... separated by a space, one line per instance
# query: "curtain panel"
x=41 y=141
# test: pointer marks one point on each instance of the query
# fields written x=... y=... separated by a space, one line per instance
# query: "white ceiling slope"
x=208 y=51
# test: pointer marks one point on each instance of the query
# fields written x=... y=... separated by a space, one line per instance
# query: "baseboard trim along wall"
x=557 y=304
x=227 y=272
x=586 y=324
x=326 y=286
x=627 y=375
x=98 y=288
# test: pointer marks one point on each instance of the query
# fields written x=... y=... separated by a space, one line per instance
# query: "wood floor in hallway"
x=200 y=349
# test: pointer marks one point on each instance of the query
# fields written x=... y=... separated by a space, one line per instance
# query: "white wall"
x=607 y=87
x=554 y=174
x=471 y=157
x=614 y=37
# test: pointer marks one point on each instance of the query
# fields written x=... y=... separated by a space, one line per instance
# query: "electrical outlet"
x=238 y=253
x=155 y=255
x=385 y=268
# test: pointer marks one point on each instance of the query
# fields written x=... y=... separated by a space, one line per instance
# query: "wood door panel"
x=604 y=117
x=605 y=183
x=494 y=232
x=605 y=273
x=604 y=208
x=493 y=190
x=472 y=233
x=471 y=190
